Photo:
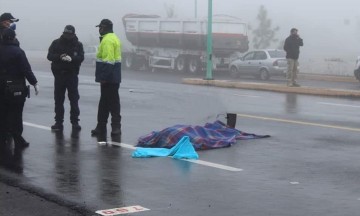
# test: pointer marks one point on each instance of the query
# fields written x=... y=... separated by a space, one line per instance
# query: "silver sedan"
x=261 y=64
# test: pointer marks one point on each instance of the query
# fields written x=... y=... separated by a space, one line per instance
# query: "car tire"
x=234 y=72
x=264 y=74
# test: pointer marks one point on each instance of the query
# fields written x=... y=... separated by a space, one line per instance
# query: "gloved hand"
x=36 y=87
x=66 y=58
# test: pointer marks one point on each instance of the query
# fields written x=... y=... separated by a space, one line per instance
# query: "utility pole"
x=209 y=74
x=195 y=9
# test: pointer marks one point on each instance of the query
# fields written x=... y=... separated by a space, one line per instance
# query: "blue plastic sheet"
x=182 y=150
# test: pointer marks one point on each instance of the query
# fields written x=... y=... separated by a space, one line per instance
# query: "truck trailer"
x=180 y=44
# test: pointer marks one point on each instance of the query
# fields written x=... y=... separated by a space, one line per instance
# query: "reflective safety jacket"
x=108 y=59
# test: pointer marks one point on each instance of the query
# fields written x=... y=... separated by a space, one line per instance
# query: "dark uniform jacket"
x=14 y=65
x=292 y=46
x=72 y=47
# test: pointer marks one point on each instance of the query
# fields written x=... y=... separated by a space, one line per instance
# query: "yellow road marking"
x=299 y=122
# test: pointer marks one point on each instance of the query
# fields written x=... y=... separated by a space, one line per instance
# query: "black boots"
x=76 y=126
x=100 y=129
x=57 y=126
x=116 y=129
x=20 y=142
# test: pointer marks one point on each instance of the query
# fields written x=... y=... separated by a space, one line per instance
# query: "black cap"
x=8 y=34
x=293 y=30
x=69 y=29
x=105 y=23
x=7 y=16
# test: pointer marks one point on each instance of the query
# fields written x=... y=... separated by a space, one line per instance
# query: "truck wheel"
x=180 y=64
x=129 y=61
x=264 y=74
x=234 y=72
x=194 y=65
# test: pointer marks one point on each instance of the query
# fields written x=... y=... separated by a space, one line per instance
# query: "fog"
x=331 y=30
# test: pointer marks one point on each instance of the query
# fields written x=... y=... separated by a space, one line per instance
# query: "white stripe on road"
x=250 y=96
x=298 y=122
x=37 y=126
x=201 y=162
x=336 y=104
x=128 y=146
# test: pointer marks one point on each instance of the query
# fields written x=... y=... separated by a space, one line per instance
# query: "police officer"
x=108 y=74
x=66 y=54
x=14 y=69
x=7 y=21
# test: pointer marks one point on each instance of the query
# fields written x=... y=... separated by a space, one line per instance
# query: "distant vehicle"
x=261 y=64
x=357 y=68
x=90 y=55
x=180 y=44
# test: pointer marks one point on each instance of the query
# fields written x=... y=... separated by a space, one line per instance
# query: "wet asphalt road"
x=310 y=165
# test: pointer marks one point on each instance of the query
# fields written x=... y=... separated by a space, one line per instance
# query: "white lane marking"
x=250 y=96
x=201 y=162
x=37 y=126
x=128 y=146
x=299 y=122
x=336 y=104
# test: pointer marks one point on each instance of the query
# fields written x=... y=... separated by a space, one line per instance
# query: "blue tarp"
x=182 y=150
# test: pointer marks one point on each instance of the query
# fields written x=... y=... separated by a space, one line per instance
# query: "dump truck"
x=181 y=44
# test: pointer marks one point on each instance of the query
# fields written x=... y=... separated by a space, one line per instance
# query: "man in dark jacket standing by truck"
x=66 y=55
x=108 y=74
x=292 y=48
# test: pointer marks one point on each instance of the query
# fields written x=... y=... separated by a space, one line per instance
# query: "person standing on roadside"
x=14 y=71
x=66 y=55
x=292 y=49
x=108 y=74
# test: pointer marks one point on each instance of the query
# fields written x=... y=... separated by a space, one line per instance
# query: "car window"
x=277 y=54
x=249 y=56
x=260 y=55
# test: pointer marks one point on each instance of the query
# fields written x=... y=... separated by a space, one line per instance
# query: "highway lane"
x=307 y=167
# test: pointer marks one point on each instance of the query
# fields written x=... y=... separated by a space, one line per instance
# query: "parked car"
x=357 y=68
x=90 y=55
x=261 y=64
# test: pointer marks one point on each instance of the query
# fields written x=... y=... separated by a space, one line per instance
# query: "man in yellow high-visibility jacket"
x=108 y=74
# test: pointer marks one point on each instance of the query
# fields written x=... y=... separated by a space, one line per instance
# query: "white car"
x=260 y=63
x=357 y=68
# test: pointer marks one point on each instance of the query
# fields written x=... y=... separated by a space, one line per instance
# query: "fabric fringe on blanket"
x=211 y=136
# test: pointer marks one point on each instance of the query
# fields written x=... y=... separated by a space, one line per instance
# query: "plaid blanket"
x=211 y=136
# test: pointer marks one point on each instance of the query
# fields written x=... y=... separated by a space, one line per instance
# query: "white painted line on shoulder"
x=122 y=210
x=37 y=126
x=336 y=104
x=128 y=146
x=201 y=162
x=250 y=96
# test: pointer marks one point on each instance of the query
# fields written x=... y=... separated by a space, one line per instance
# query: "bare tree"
x=170 y=10
x=264 y=35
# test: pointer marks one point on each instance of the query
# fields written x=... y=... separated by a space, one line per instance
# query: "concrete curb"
x=273 y=87
x=330 y=78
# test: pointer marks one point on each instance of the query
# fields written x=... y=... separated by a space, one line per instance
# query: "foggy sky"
x=329 y=29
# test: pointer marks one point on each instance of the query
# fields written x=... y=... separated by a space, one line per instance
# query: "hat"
x=7 y=16
x=8 y=34
x=293 y=30
x=105 y=23
x=69 y=29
